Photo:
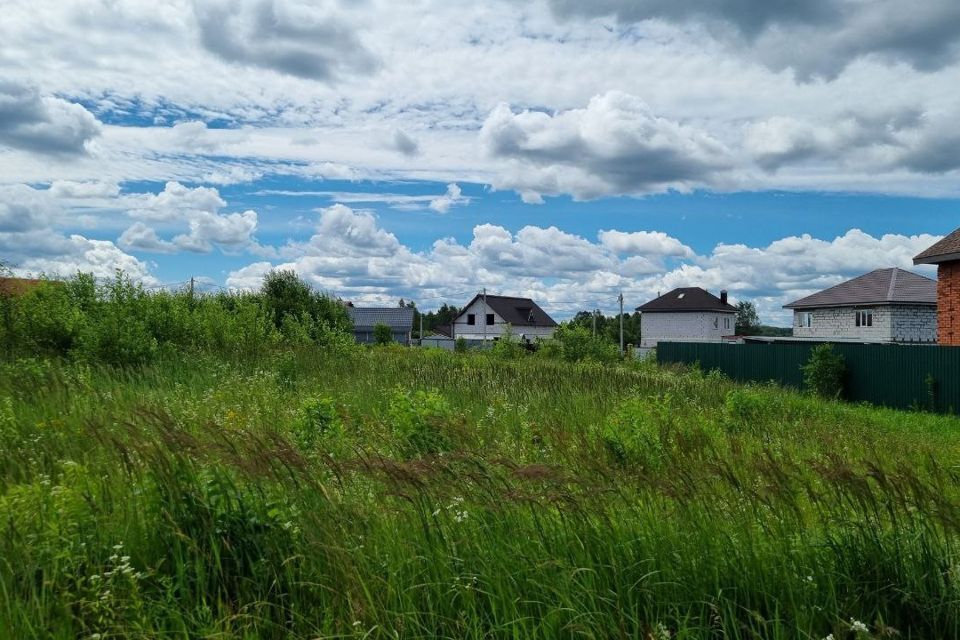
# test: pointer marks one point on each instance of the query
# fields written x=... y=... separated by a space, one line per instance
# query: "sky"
x=428 y=149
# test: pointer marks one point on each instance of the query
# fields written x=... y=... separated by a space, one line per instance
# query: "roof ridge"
x=893 y=284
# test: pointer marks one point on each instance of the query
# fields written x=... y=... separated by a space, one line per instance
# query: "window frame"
x=491 y=319
x=472 y=319
x=805 y=320
x=864 y=318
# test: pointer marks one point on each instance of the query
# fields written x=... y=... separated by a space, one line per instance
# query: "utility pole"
x=191 y=287
x=620 y=298
x=421 y=329
x=484 y=317
x=594 y=323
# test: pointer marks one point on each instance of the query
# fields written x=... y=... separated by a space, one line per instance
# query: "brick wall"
x=948 y=303
x=914 y=323
x=891 y=323
x=841 y=322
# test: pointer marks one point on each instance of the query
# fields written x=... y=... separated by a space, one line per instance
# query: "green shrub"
x=296 y=330
x=460 y=345
x=418 y=420
x=656 y=432
x=286 y=294
x=550 y=349
x=508 y=347
x=318 y=421
x=45 y=319
x=120 y=334
x=382 y=334
x=824 y=372
x=632 y=436
x=578 y=343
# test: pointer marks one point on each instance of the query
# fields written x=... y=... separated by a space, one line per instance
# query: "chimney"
x=723 y=296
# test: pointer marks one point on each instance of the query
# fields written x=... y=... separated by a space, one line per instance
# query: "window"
x=865 y=318
x=805 y=319
x=716 y=323
x=726 y=323
x=489 y=319
x=471 y=318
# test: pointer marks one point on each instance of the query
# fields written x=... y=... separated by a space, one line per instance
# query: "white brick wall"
x=915 y=323
x=705 y=326
x=891 y=323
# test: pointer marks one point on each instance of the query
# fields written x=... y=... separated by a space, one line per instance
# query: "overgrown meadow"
x=302 y=487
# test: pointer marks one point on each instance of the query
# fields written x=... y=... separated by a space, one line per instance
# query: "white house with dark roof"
x=886 y=305
x=687 y=314
x=487 y=317
x=365 y=319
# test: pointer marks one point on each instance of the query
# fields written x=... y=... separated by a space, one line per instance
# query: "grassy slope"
x=395 y=493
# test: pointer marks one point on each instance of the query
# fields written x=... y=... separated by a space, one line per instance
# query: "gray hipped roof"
x=947 y=250
x=366 y=318
x=686 y=299
x=883 y=286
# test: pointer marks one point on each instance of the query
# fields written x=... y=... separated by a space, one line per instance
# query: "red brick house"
x=946 y=255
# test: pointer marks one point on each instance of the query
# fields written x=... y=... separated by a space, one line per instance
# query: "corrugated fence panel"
x=900 y=376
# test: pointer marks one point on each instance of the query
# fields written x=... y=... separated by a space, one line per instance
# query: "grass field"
x=393 y=493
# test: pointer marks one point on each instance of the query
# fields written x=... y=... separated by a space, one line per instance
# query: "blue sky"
x=564 y=151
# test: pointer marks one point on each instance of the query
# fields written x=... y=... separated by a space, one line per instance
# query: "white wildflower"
x=858 y=627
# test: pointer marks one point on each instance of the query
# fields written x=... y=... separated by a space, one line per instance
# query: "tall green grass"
x=398 y=493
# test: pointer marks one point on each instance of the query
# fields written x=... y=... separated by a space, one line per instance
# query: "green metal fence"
x=900 y=376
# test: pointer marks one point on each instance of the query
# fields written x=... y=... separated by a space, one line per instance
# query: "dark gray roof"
x=883 y=286
x=686 y=299
x=397 y=318
x=947 y=250
x=519 y=312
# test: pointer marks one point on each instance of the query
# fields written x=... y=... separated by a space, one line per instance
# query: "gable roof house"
x=487 y=317
x=365 y=319
x=946 y=255
x=885 y=305
x=687 y=314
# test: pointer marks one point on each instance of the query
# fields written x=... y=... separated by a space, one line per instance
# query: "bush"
x=549 y=349
x=650 y=433
x=418 y=419
x=318 y=421
x=578 y=343
x=823 y=374
x=508 y=347
x=460 y=345
x=119 y=334
x=382 y=334
x=285 y=294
